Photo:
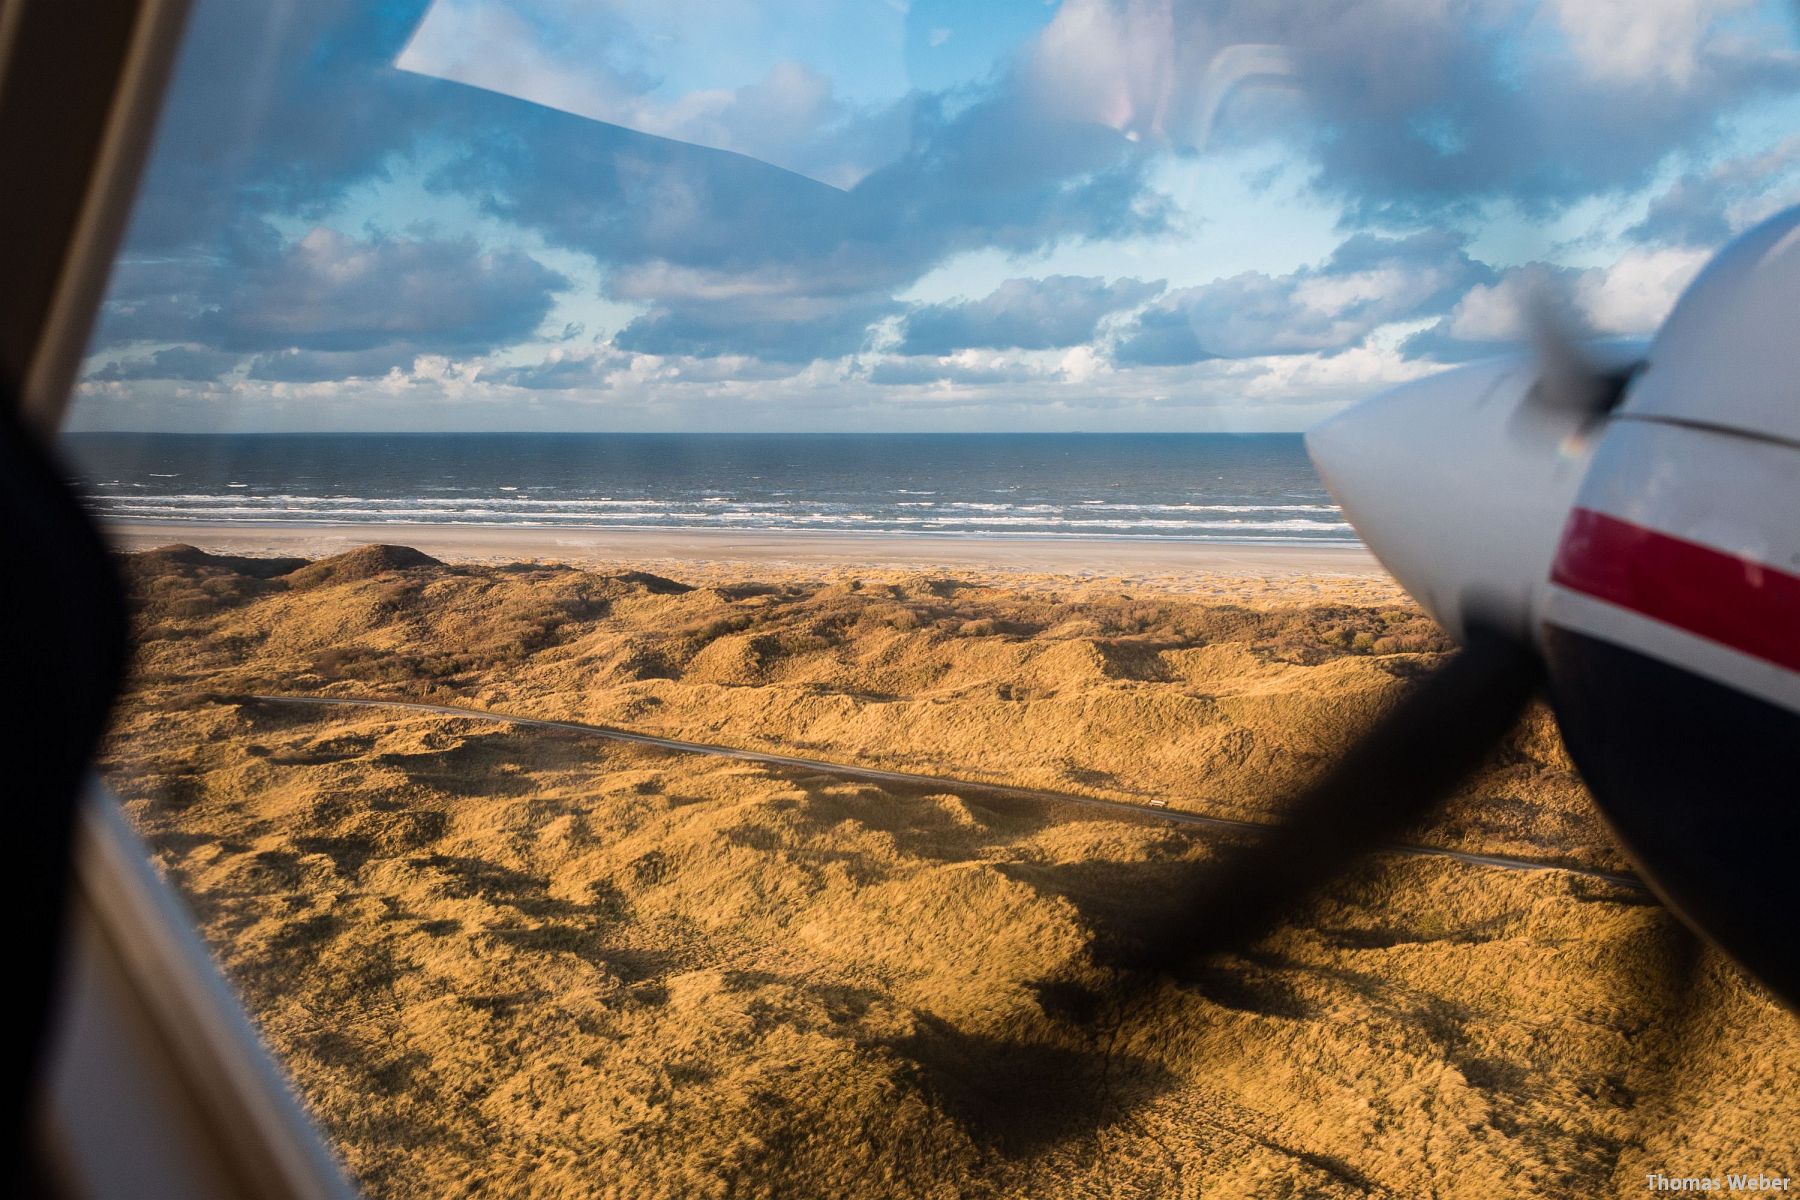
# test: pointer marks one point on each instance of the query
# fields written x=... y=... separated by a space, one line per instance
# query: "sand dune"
x=510 y=963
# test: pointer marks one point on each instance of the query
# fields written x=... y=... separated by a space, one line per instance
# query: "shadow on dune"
x=1116 y=901
x=1019 y=1095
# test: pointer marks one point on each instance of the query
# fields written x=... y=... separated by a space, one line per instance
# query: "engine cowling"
x=1650 y=550
x=1460 y=486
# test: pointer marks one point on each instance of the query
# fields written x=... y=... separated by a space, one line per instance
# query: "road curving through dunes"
x=1118 y=809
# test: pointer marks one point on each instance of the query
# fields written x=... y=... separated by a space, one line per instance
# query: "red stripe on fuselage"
x=1734 y=601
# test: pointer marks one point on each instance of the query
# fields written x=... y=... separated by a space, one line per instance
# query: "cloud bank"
x=963 y=217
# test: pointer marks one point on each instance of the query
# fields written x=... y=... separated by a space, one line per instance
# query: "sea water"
x=1256 y=488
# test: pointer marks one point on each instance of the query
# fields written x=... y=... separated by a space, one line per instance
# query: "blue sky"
x=883 y=214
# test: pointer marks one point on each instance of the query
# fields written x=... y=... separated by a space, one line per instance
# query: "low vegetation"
x=505 y=962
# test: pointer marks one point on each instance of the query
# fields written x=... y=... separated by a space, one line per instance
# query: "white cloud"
x=1629 y=298
x=738 y=296
x=1151 y=69
x=1080 y=364
x=709 y=74
x=1632 y=296
x=1641 y=41
x=1368 y=282
x=1356 y=372
x=1494 y=313
x=1705 y=207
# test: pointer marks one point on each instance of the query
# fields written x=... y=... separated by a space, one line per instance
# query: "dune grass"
x=509 y=963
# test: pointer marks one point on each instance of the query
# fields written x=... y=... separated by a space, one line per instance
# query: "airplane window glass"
x=704 y=576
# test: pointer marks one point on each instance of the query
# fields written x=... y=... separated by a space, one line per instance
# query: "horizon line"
x=674 y=432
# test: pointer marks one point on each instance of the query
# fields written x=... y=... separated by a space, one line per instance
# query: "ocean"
x=1257 y=488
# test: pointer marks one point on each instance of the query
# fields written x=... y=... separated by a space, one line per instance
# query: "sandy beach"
x=643 y=547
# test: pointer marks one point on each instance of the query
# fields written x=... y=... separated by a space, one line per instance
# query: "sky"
x=927 y=215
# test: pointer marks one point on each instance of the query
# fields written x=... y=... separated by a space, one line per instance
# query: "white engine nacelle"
x=1460 y=484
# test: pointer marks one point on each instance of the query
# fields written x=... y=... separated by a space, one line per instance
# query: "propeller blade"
x=1570 y=381
x=1414 y=756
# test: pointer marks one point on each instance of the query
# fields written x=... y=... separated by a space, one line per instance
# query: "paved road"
x=1116 y=809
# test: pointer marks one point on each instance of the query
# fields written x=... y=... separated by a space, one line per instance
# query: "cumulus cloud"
x=1707 y=207
x=715 y=76
x=683 y=227
x=601 y=368
x=780 y=328
x=1319 y=378
x=1412 y=107
x=328 y=302
x=1029 y=314
x=726 y=272
x=188 y=363
x=963 y=368
x=276 y=109
x=328 y=291
x=1638 y=41
x=295 y=365
x=557 y=372
x=1628 y=299
x=1369 y=281
x=1153 y=70
x=1631 y=297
